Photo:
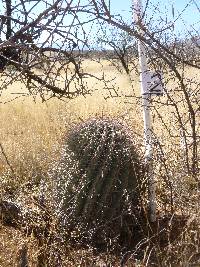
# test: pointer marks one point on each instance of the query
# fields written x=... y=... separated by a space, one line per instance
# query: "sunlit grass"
x=32 y=133
x=31 y=130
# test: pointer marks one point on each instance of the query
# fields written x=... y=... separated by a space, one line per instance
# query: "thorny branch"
x=57 y=38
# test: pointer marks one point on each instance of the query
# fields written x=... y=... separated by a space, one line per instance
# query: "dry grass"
x=11 y=243
x=31 y=135
x=31 y=131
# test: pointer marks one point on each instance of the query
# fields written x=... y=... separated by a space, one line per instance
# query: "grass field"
x=31 y=130
x=32 y=133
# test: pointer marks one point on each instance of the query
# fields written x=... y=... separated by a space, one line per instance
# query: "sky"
x=187 y=12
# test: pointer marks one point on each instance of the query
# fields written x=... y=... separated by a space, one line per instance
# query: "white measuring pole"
x=145 y=80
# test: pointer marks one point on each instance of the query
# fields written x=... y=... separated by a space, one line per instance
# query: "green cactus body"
x=102 y=179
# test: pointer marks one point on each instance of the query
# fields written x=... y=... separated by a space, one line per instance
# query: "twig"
x=23 y=256
x=7 y=161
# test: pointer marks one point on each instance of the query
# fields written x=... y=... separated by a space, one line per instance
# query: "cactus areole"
x=99 y=179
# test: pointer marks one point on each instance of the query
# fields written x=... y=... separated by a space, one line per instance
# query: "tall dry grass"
x=32 y=133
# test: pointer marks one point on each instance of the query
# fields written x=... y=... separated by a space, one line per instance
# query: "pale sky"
x=187 y=12
x=184 y=13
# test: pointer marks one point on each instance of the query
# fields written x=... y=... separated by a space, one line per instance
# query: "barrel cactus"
x=98 y=180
